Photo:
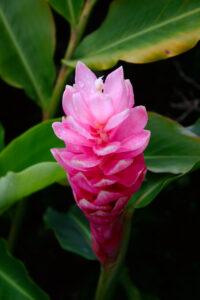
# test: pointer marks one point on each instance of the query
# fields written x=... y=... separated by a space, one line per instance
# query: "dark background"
x=164 y=253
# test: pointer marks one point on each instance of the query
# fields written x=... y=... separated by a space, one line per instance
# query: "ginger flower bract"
x=103 y=157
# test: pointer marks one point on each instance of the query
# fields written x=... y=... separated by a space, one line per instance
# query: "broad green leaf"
x=69 y=9
x=29 y=148
x=195 y=128
x=141 y=31
x=26 y=47
x=1 y=137
x=15 y=186
x=71 y=230
x=15 y=283
x=172 y=147
x=27 y=166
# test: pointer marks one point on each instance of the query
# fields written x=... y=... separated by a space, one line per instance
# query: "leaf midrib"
x=13 y=284
x=22 y=58
x=82 y=227
x=151 y=28
x=71 y=11
x=148 y=192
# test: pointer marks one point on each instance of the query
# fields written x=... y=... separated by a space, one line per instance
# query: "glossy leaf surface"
x=27 y=166
x=15 y=283
x=26 y=47
x=172 y=147
x=152 y=186
x=139 y=32
x=31 y=147
x=15 y=186
x=72 y=231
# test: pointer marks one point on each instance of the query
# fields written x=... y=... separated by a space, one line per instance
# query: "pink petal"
x=116 y=119
x=69 y=136
x=131 y=174
x=67 y=100
x=134 y=123
x=138 y=182
x=81 y=111
x=130 y=95
x=101 y=108
x=136 y=141
x=113 y=166
x=75 y=106
x=120 y=204
x=106 y=197
x=82 y=129
x=105 y=150
x=58 y=155
x=58 y=129
x=84 y=77
x=102 y=217
x=81 y=180
x=114 y=86
x=76 y=148
x=104 y=182
x=75 y=161
x=83 y=162
x=88 y=206
x=139 y=118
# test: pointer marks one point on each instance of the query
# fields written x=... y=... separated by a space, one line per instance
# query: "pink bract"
x=103 y=157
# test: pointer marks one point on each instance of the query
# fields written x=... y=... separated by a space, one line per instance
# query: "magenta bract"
x=105 y=139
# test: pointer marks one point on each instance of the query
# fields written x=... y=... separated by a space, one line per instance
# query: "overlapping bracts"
x=105 y=139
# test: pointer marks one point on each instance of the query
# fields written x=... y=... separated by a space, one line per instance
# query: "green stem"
x=107 y=279
x=131 y=291
x=75 y=37
x=16 y=225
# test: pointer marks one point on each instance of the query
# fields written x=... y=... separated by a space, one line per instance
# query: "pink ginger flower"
x=105 y=139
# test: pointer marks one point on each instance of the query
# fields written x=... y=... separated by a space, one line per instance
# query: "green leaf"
x=139 y=31
x=27 y=166
x=15 y=186
x=172 y=147
x=15 y=284
x=31 y=147
x=26 y=47
x=72 y=231
x=1 y=137
x=152 y=186
x=195 y=128
x=69 y=9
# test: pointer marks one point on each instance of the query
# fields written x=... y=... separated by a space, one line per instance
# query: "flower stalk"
x=76 y=33
x=109 y=275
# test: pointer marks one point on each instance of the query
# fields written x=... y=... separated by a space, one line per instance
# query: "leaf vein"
x=22 y=58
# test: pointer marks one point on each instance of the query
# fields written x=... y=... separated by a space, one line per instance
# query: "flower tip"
x=120 y=72
x=83 y=74
x=116 y=76
x=80 y=64
x=81 y=67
